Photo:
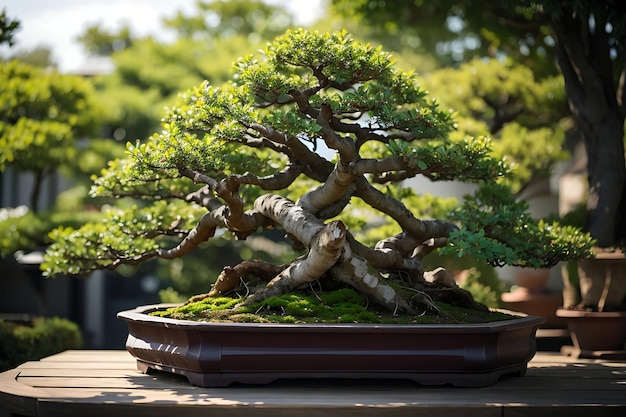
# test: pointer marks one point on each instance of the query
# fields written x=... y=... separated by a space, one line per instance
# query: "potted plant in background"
x=597 y=322
x=311 y=137
x=594 y=299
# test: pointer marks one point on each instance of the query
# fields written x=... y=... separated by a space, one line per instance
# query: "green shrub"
x=20 y=343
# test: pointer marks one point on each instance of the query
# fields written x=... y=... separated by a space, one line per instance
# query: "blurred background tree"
x=8 y=27
x=45 y=126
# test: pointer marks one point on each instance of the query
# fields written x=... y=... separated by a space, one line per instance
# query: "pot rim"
x=140 y=314
x=564 y=312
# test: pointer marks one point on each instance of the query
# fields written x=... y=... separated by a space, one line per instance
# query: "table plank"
x=103 y=382
x=83 y=372
x=80 y=365
x=104 y=356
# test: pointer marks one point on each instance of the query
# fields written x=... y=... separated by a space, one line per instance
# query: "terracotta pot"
x=217 y=354
x=595 y=334
x=542 y=304
x=603 y=280
x=534 y=280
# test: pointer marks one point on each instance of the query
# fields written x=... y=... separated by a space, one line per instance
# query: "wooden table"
x=107 y=383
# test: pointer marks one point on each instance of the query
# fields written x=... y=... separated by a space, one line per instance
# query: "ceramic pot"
x=603 y=281
x=595 y=334
x=217 y=354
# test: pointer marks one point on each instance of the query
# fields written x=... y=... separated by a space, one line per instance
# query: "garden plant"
x=313 y=136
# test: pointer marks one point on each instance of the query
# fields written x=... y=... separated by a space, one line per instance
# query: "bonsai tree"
x=309 y=137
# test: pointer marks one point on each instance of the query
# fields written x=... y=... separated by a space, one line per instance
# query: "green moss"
x=344 y=295
x=340 y=306
x=192 y=310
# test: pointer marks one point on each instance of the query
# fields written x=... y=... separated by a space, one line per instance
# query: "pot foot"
x=577 y=353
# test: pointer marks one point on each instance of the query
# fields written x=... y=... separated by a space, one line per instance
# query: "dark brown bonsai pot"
x=218 y=354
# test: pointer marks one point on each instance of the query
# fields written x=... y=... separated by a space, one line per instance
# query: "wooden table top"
x=107 y=383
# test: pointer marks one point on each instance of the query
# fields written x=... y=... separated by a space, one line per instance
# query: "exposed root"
x=326 y=248
x=232 y=277
x=355 y=272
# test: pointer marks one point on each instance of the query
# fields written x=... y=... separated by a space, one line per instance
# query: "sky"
x=56 y=24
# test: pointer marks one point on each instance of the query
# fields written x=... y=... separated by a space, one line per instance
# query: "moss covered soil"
x=339 y=306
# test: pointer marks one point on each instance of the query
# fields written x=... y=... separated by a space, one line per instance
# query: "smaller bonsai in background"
x=21 y=342
x=310 y=138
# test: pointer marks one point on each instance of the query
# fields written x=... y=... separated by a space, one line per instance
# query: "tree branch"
x=408 y=222
x=277 y=181
x=337 y=185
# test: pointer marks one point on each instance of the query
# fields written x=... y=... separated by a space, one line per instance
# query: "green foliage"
x=20 y=229
x=227 y=18
x=45 y=120
x=46 y=336
x=466 y=160
x=98 y=41
x=127 y=234
x=459 y=30
x=498 y=229
x=23 y=229
x=90 y=158
x=524 y=117
x=8 y=27
x=392 y=99
x=149 y=74
x=42 y=115
x=40 y=56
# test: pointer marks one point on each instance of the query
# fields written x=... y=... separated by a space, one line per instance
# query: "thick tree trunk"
x=327 y=244
x=36 y=191
x=607 y=177
x=583 y=56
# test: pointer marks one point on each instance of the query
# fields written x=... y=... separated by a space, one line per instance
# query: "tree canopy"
x=232 y=157
x=524 y=117
x=48 y=125
x=43 y=115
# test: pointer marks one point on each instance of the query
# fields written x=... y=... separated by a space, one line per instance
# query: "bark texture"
x=597 y=103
